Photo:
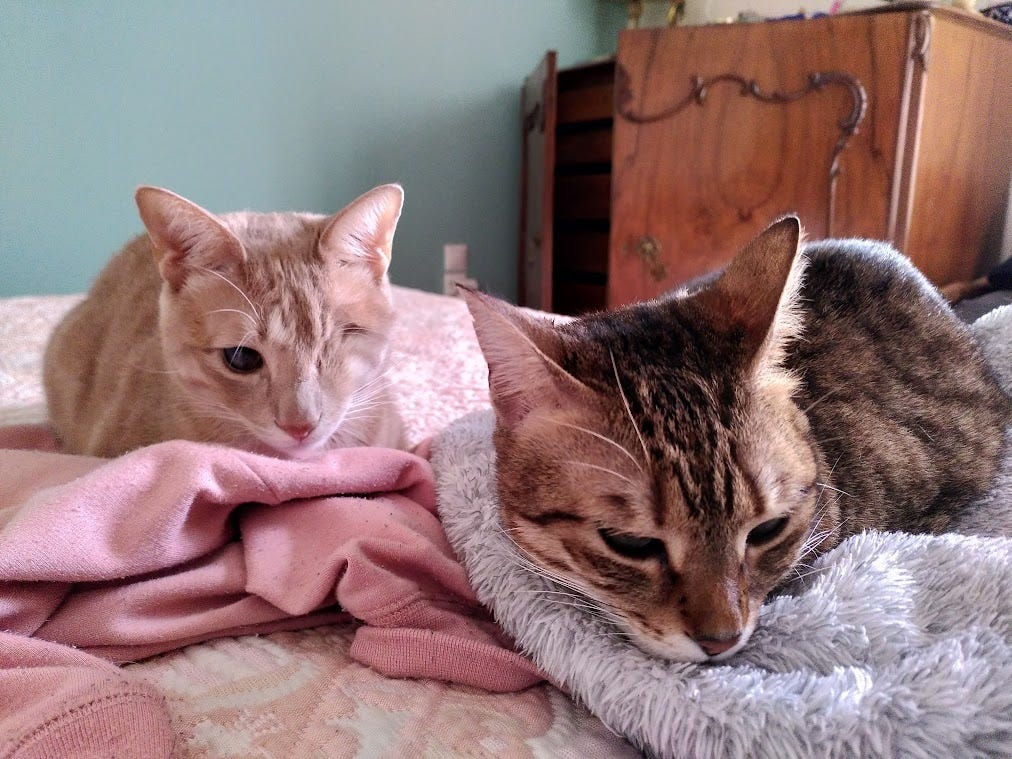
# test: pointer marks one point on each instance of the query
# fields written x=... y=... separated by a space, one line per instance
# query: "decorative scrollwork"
x=700 y=88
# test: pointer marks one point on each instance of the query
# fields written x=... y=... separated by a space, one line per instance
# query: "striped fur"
x=676 y=461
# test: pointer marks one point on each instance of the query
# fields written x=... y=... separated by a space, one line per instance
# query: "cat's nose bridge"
x=299 y=405
x=714 y=612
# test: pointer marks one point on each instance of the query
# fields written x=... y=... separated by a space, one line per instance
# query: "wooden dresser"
x=647 y=170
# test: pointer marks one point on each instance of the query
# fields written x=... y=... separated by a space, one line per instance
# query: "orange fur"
x=140 y=360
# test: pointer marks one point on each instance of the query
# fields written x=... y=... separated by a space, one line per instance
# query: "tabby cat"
x=264 y=331
x=675 y=461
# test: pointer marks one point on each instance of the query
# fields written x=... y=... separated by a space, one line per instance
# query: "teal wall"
x=270 y=106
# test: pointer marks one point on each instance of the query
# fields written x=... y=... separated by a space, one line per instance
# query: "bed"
x=826 y=672
x=299 y=693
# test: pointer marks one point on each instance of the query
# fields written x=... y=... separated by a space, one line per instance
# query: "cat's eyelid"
x=770 y=515
x=636 y=547
x=768 y=530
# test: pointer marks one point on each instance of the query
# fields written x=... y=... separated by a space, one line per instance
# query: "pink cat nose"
x=714 y=646
x=298 y=431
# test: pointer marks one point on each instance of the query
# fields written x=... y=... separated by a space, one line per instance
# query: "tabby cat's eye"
x=632 y=546
x=767 y=531
x=242 y=360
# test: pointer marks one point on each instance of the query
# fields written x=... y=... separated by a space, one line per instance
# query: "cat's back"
x=869 y=313
x=900 y=398
x=106 y=346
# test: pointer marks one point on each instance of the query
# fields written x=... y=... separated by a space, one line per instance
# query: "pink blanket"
x=181 y=542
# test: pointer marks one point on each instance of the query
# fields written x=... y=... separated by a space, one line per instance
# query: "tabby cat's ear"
x=363 y=232
x=756 y=295
x=184 y=236
x=522 y=355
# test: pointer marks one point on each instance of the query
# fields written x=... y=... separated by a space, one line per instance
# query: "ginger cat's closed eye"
x=265 y=331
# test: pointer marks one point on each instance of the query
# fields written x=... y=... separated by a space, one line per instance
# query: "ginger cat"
x=263 y=331
x=673 y=462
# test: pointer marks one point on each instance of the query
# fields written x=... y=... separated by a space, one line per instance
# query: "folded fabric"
x=180 y=542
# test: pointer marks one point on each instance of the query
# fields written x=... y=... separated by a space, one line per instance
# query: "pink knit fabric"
x=181 y=542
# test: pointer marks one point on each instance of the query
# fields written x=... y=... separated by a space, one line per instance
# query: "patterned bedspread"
x=299 y=694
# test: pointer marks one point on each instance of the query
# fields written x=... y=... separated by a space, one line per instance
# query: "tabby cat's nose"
x=718 y=645
x=298 y=431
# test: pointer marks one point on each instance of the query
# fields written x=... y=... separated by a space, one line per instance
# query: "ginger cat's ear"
x=755 y=296
x=184 y=236
x=363 y=232
x=522 y=354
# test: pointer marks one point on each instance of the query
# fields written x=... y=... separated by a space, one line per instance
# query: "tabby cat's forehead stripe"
x=728 y=488
x=678 y=410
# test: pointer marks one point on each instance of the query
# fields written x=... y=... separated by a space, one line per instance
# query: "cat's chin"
x=307 y=449
x=673 y=648
x=679 y=647
x=301 y=451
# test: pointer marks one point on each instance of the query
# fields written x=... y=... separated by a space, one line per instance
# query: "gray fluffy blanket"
x=898 y=646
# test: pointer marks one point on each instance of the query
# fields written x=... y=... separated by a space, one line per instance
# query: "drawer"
x=592 y=146
x=586 y=104
x=581 y=250
x=583 y=197
x=578 y=297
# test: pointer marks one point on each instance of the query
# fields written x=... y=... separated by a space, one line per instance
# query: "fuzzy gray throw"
x=898 y=645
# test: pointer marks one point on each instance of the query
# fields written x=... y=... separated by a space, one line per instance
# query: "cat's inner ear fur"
x=184 y=236
x=756 y=296
x=363 y=232
x=522 y=355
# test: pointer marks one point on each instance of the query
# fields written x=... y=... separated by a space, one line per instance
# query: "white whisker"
x=230 y=283
x=819 y=400
x=600 y=469
x=526 y=562
x=234 y=311
x=601 y=437
x=830 y=487
x=628 y=408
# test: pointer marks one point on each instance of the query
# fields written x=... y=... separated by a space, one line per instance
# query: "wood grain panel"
x=700 y=182
x=964 y=160
x=538 y=113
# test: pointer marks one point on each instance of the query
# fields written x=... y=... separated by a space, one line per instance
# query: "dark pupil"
x=766 y=531
x=242 y=360
x=632 y=546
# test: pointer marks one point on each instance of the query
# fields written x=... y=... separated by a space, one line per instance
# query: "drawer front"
x=592 y=103
x=582 y=197
x=721 y=129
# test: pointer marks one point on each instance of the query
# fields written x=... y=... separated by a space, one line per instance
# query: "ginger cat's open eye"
x=632 y=546
x=242 y=360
